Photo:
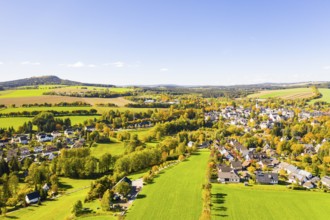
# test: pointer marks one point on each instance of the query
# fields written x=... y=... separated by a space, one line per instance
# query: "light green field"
x=99 y=109
x=22 y=93
x=233 y=201
x=297 y=93
x=175 y=194
x=94 y=88
x=325 y=96
x=59 y=208
x=116 y=148
x=19 y=121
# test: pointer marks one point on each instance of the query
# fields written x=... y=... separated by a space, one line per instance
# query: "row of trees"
x=55 y=113
x=78 y=163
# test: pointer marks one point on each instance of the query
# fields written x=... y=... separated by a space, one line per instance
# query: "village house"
x=309 y=185
x=305 y=173
x=4 y=142
x=21 y=139
x=56 y=134
x=68 y=132
x=267 y=178
x=246 y=164
x=296 y=178
x=236 y=165
x=288 y=167
x=24 y=151
x=38 y=149
x=224 y=168
x=32 y=198
x=326 y=181
x=45 y=138
x=90 y=128
x=190 y=144
x=228 y=177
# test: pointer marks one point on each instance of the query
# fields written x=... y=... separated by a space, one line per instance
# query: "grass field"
x=27 y=99
x=19 y=121
x=297 y=93
x=92 y=88
x=56 y=209
x=22 y=93
x=325 y=96
x=99 y=109
x=267 y=202
x=116 y=148
x=175 y=194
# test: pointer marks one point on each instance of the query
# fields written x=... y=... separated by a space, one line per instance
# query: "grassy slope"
x=19 y=121
x=175 y=194
x=325 y=97
x=267 y=202
x=116 y=148
x=38 y=92
x=57 y=209
x=22 y=93
x=99 y=109
x=283 y=93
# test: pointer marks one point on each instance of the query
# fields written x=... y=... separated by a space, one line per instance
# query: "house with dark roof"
x=224 y=168
x=32 y=197
x=125 y=179
x=267 y=178
x=236 y=165
x=22 y=139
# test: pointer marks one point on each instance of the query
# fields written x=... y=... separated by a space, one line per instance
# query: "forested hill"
x=44 y=80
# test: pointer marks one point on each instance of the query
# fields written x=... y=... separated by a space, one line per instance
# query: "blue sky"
x=209 y=42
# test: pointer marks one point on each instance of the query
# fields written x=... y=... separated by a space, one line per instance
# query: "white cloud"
x=76 y=64
x=91 y=65
x=1 y=63
x=118 y=64
x=326 y=67
x=30 y=63
x=163 y=69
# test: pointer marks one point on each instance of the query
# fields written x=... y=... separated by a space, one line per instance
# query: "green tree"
x=77 y=208
x=45 y=121
x=123 y=188
x=106 y=200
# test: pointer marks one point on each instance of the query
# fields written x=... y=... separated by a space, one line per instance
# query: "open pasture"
x=325 y=96
x=92 y=88
x=40 y=99
x=59 y=208
x=15 y=122
x=297 y=93
x=236 y=201
x=175 y=194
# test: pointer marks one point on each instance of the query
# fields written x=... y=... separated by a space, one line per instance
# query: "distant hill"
x=52 y=80
x=45 y=80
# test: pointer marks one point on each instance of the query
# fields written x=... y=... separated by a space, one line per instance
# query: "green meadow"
x=175 y=194
x=55 y=108
x=284 y=93
x=115 y=148
x=22 y=93
x=325 y=96
x=236 y=201
x=59 y=208
x=19 y=121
